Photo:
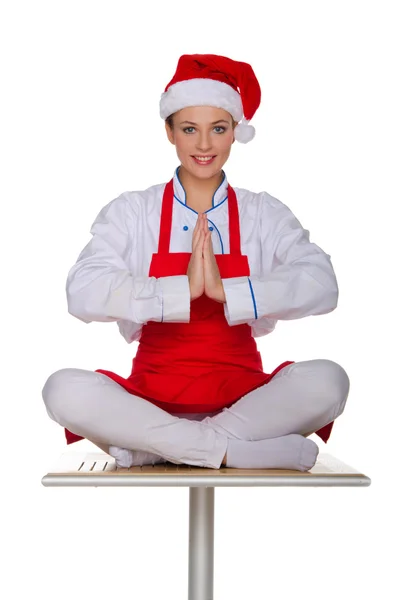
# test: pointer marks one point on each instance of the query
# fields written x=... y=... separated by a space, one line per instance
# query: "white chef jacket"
x=290 y=277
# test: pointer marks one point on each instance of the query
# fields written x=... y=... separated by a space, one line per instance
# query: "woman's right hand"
x=195 y=271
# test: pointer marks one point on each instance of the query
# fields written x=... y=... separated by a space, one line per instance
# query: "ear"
x=170 y=133
x=234 y=123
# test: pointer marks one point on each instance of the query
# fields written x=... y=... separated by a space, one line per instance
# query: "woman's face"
x=202 y=131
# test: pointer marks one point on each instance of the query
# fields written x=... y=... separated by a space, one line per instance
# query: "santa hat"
x=211 y=80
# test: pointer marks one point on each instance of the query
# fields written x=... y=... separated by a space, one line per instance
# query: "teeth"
x=203 y=159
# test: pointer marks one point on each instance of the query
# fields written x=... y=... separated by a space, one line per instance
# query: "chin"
x=200 y=172
x=207 y=174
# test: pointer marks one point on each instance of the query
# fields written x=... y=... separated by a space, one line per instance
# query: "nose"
x=204 y=143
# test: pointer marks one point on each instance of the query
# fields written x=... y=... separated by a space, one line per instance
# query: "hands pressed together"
x=203 y=272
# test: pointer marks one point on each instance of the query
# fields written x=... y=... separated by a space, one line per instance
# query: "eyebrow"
x=214 y=123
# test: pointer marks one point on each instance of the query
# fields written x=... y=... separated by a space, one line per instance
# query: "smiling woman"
x=195 y=298
x=203 y=137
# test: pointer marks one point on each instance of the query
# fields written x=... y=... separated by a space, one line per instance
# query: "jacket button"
x=186 y=228
x=211 y=228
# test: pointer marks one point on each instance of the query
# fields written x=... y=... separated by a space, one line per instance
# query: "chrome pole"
x=201 y=543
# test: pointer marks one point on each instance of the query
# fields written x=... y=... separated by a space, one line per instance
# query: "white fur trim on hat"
x=201 y=92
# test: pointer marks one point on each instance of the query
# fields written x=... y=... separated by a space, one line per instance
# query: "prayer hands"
x=213 y=287
x=195 y=271
x=203 y=272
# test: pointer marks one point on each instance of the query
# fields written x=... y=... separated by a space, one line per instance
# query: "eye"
x=218 y=128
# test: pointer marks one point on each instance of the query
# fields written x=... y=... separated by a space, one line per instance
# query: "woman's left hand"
x=213 y=287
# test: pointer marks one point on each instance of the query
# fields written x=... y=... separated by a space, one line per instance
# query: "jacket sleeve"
x=297 y=278
x=100 y=286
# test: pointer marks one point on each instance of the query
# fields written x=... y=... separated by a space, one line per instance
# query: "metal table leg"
x=201 y=543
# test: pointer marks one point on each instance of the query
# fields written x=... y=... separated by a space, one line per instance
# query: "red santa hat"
x=211 y=80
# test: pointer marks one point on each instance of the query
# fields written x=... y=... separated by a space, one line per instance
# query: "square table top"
x=99 y=469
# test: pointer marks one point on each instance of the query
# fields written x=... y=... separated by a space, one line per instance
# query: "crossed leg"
x=300 y=399
x=94 y=406
x=267 y=426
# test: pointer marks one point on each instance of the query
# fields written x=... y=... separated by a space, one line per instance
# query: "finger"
x=204 y=224
x=199 y=245
x=199 y=224
x=205 y=247
x=209 y=248
x=201 y=249
x=196 y=240
x=206 y=244
x=197 y=229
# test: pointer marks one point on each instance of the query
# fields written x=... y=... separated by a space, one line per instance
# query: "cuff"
x=240 y=306
x=176 y=298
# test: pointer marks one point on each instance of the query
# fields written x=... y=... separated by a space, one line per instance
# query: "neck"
x=199 y=192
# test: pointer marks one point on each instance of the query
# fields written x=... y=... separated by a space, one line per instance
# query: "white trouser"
x=301 y=398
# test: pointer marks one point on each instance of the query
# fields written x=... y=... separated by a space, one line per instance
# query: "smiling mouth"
x=203 y=159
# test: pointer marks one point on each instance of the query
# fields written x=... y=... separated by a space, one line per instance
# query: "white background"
x=81 y=83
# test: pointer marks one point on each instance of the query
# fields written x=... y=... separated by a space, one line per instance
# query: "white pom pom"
x=243 y=132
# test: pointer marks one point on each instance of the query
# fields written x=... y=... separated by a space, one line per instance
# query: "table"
x=99 y=469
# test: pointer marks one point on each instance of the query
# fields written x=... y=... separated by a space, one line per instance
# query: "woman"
x=194 y=270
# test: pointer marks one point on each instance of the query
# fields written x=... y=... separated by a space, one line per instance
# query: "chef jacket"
x=290 y=276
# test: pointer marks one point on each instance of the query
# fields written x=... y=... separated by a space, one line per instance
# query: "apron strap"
x=166 y=218
x=234 y=222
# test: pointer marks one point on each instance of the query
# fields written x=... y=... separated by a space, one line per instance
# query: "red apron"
x=204 y=365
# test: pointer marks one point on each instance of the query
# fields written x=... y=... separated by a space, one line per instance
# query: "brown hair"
x=170 y=122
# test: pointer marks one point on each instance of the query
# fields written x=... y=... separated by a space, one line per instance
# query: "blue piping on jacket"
x=253 y=298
